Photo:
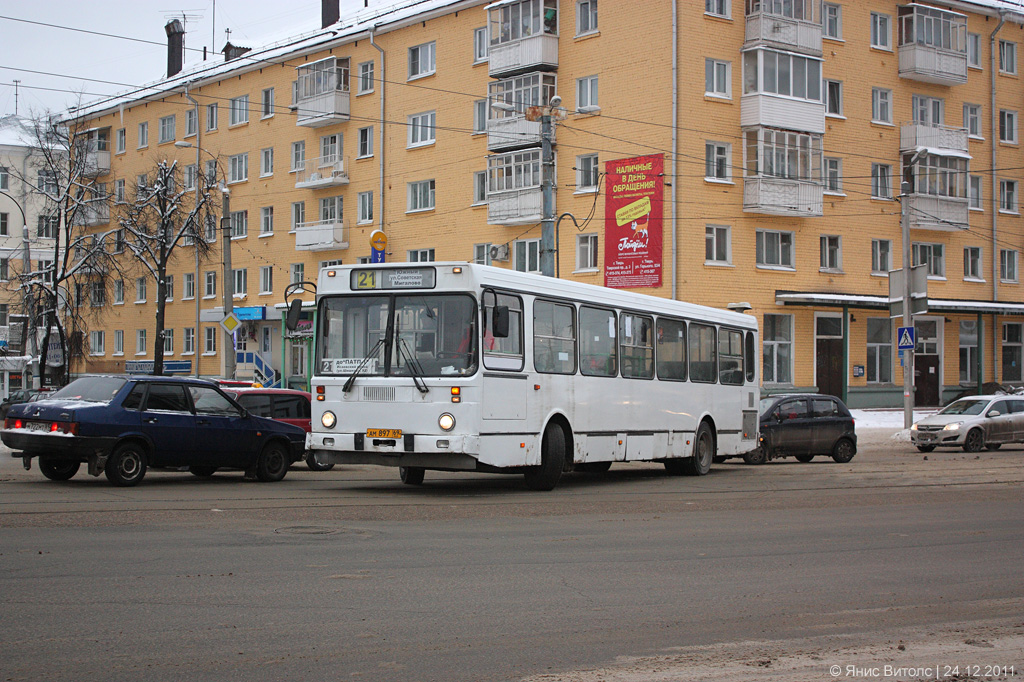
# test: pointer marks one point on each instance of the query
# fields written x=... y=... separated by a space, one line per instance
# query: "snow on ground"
x=890 y=420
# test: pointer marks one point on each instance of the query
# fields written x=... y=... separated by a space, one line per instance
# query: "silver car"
x=973 y=422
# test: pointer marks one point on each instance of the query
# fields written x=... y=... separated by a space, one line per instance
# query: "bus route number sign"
x=405 y=278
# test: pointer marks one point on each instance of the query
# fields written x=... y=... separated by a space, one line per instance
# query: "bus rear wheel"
x=552 y=461
x=703 y=452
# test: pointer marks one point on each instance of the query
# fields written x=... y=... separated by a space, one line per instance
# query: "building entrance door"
x=828 y=353
x=927 y=369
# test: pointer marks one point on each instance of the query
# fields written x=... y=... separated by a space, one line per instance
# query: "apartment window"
x=140 y=290
x=586 y=17
x=1012 y=346
x=517 y=170
x=211 y=340
x=47 y=227
x=972 y=120
x=833 y=175
x=266 y=161
x=211 y=172
x=527 y=255
x=365 y=83
x=972 y=262
x=778 y=349
x=267 y=220
x=586 y=94
x=974 y=197
x=140 y=341
x=239 y=110
x=329 y=146
x=586 y=252
x=479 y=187
x=211 y=116
x=482 y=254
x=1008 y=196
x=96 y=342
x=298 y=272
x=421 y=195
x=121 y=140
x=331 y=209
x=832 y=21
x=365 y=138
x=143 y=135
x=479 y=116
x=718 y=8
x=881 y=31
x=298 y=156
x=240 y=276
x=167 y=132
x=881 y=256
x=364 y=208
x=4 y=224
x=168 y=287
x=1008 y=57
x=238 y=168
x=1007 y=265
x=929 y=111
x=46 y=182
x=1008 y=126
x=716 y=161
x=267 y=279
x=831 y=253
x=717 y=245
x=774 y=249
x=421 y=128
x=211 y=284
x=267 y=103
x=421 y=256
x=974 y=50
x=211 y=229
x=168 y=341
x=933 y=256
x=968 y=351
x=118 y=291
x=5 y=265
x=480 y=45
x=188 y=286
x=421 y=60
x=191 y=122
x=239 y=223
x=717 y=78
x=118 y=342
x=188 y=341
x=298 y=213
x=190 y=174
x=45 y=267
x=834 y=98
x=879 y=347
x=881 y=181
x=587 y=172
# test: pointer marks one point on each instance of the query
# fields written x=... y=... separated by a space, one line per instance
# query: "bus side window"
x=703 y=355
x=730 y=353
x=597 y=342
x=636 y=347
x=750 y=357
x=503 y=352
x=671 y=350
x=554 y=338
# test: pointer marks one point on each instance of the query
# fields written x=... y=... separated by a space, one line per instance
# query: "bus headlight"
x=328 y=420
x=446 y=422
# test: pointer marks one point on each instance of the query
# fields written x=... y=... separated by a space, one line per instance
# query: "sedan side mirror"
x=993 y=413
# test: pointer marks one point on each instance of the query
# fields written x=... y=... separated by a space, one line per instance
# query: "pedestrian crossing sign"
x=905 y=337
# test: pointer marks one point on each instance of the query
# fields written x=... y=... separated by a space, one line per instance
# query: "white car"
x=972 y=422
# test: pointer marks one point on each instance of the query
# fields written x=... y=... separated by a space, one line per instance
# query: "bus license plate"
x=383 y=433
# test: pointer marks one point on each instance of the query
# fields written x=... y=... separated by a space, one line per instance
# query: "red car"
x=283 y=404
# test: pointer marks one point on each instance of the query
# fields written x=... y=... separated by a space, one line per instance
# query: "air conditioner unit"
x=499 y=252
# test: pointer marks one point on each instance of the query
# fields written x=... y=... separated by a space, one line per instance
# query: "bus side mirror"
x=499 y=322
x=294 y=312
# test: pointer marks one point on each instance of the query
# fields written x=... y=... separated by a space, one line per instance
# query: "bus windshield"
x=425 y=335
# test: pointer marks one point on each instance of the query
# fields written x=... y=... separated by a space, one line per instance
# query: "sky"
x=32 y=51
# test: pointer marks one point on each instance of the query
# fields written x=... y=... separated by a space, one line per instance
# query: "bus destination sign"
x=406 y=278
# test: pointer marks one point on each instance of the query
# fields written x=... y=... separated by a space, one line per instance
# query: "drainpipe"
x=675 y=140
x=995 y=194
x=383 y=84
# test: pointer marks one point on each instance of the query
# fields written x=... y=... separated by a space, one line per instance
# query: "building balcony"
x=938 y=139
x=782 y=196
x=775 y=111
x=533 y=53
x=930 y=212
x=513 y=132
x=96 y=163
x=932 y=44
x=784 y=33
x=326 y=171
x=91 y=215
x=321 y=95
x=323 y=235
x=930 y=64
x=515 y=207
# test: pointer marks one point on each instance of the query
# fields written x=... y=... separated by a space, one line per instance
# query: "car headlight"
x=328 y=420
x=913 y=427
x=446 y=422
x=952 y=427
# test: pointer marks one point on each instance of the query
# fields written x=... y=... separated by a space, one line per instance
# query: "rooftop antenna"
x=16 y=81
x=213 y=35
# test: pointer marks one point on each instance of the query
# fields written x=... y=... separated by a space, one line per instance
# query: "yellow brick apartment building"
x=785 y=127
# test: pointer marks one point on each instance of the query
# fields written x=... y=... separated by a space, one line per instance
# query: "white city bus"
x=458 y=367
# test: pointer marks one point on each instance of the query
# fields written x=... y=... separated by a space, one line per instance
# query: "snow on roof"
x=15 y=131
x=380 y=18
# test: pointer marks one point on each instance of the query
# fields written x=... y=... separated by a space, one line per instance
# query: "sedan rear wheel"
x=757 y=456
x=975 y=441
x=843 y=451
x=272 y=464
x=57 y=469
x=126 y=467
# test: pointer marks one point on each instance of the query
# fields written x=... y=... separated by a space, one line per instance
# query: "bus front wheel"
x=552 y=461
x=411 y=475
x=703 y=452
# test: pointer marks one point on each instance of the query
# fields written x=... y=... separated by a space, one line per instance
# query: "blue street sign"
x=905 y=338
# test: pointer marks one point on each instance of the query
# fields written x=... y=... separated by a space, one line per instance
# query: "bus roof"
x=471 y=277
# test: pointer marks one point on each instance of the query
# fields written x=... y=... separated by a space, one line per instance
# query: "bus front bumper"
x=421 y=450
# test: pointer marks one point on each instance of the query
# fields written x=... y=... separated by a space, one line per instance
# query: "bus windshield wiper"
x=352 y=377
x=413 y=365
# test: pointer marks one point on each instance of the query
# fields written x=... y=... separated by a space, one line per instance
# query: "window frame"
x=588 y=9
x=414 y=195
x=1007 y=57
x=238 y=110
x=1009 y=266
x=973 y=263
x=878 y=21
x=830 y=257
x=877 y=255
x=786 y=242
x=714 y=236
x=421 y=70
x=587 y=95
x=422 y=129
x=716 y=83
x=167 y=129
x=838 y=16
x=587 y=246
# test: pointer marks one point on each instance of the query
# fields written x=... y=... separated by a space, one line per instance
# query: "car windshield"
x=90 y=389
x=965 y=407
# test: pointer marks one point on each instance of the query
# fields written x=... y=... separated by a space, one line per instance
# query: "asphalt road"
x=631 y=575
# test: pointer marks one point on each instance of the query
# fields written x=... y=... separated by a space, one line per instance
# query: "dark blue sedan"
x=122 y=425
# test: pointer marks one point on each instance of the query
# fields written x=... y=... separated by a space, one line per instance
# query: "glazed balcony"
x=321 y=97
x=932 y=45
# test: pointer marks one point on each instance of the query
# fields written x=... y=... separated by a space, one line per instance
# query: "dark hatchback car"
x=804 y=426
x=123 y=425
x=283 y=404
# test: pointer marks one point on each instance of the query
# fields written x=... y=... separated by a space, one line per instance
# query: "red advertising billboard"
x=633 y=213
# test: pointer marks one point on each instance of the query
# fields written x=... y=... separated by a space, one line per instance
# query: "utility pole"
x=229 y=285
x=547 y=231
x=908 y=319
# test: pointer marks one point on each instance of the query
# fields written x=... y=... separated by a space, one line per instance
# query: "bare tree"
x=162 y=216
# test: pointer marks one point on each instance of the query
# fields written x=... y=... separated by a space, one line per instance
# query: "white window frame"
x=878 y=267
x=140 y=341
x=266 y=221
x=188 y=341
x=188 y=286
x=97 y=343
x=240 y=278
x=238 y=168
x=420 y=255
x=716 y=239
x=168 y=342
x=210 y=340
x=422 y=129
x=975 y=193
x=480 y=116
x=771 y=346
x=298 y=156
x=1008 y=196
x=167 y=131
x=717 y=161
x=587 y=252
x=972 y=121
x=878 y=172
x=364 y=138
x=238 y=110
x=239 y=221
x=298 y=272
x=121 y=138
x=717 y=78
x=143 y=135
x=833 y=175
x=974 y=51
x=718 y=8
x=588 y=173
x=879 y=354
x=210 y=284
x=266 y=162
x=481 y=43
x=932 y=255
x=782 y=249
x=973 y=263
x=1008 y=57
x=480 y=188
x=836 y=18
x=365 y=82
x=587 y=95
x=830 y=253
x=298 y=213
x=211 y=117
x=266 y=279
x=422 y=60
x=140 y=289
x=1008 y=119
x=420 y=196
x=833 y=109
x=1009 y=262
x=267 y=103
x=118 y=342
x=191 y=122
x=530 y=251
x=881 y=31
x=364 y=208
x=586 y=17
